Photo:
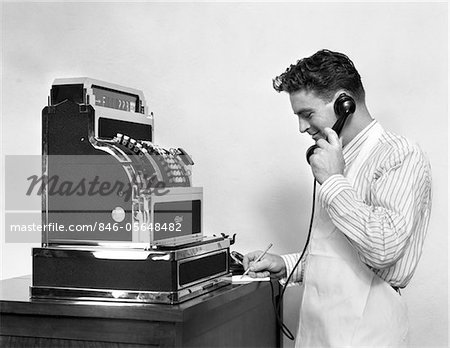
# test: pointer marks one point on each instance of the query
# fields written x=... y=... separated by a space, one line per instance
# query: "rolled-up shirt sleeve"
x=291 y=260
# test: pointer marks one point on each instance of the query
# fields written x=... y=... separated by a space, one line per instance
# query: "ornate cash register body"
x=122 y=221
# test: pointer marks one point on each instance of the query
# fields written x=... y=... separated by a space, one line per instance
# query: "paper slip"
x=238 y=279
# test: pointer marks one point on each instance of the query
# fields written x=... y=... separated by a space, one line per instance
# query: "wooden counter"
x=233 y=316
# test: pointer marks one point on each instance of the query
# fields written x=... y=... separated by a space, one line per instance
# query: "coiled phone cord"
x=283 y=326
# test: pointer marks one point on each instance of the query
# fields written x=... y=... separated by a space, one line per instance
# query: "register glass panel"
x=176 y=219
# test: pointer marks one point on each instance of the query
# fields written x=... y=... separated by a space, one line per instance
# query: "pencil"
x=258 y=259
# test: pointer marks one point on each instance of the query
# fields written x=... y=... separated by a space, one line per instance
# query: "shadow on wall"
x=291 y=311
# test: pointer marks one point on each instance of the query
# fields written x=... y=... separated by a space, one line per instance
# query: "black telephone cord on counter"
x=276 y=307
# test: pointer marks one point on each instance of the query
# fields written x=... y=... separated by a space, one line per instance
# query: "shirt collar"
x=352 y=149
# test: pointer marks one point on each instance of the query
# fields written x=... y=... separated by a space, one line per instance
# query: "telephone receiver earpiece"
x=344 y=106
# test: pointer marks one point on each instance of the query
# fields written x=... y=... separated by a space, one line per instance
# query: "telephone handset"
x=344 y=106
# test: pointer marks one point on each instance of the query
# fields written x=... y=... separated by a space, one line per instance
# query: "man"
x=374 y=203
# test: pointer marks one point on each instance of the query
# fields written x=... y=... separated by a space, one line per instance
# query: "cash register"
x=121 y=218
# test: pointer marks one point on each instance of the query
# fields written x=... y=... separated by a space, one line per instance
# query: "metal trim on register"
x=87 y=250
x=109 y=295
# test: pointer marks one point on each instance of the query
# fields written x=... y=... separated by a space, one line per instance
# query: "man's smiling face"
x=314 y=114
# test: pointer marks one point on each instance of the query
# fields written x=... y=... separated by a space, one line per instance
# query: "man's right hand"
x=271 y=265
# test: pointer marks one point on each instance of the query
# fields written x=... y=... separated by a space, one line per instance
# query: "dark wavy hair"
x=324 y=73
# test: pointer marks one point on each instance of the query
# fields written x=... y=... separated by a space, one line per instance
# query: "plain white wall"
x=206 y=70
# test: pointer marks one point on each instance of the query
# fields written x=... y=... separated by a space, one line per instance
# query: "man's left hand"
x=327 y=159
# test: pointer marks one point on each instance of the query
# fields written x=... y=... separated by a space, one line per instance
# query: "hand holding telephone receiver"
x=344 y=106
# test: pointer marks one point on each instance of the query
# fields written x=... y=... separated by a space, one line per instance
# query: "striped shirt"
x=385 y=214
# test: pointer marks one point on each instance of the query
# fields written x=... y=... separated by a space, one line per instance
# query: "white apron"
x=344 y=303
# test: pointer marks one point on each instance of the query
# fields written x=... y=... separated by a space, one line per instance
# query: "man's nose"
x=303 y=125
